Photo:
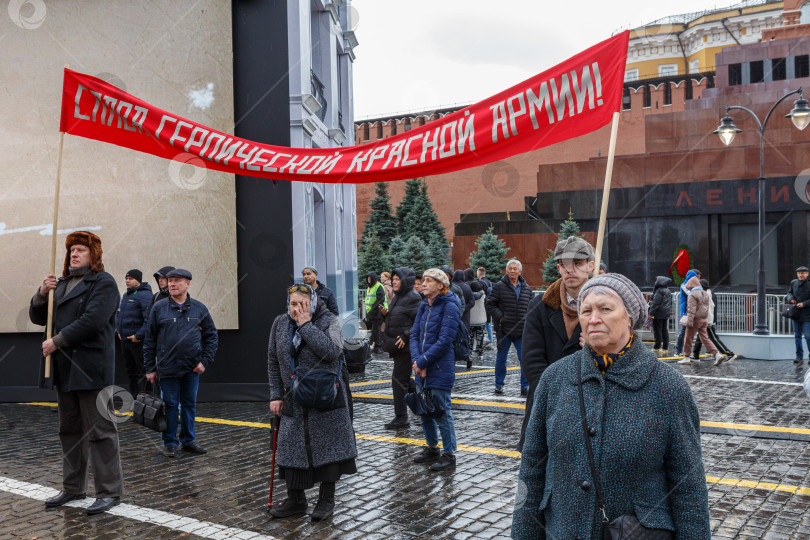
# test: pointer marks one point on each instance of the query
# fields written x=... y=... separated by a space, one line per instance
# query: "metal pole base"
x=761 y=330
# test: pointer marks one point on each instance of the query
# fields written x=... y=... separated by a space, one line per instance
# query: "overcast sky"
x=418 y=55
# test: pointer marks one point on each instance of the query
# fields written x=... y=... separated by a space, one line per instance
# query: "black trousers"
x=401 y=382
x=376 y=334
x=661 y=333
x=477 y=338
x=133 y=363
x=89 y=436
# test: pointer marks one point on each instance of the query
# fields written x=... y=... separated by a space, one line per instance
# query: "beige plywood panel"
x=149 y=212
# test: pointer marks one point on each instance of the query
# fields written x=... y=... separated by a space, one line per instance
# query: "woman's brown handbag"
x=626 y=527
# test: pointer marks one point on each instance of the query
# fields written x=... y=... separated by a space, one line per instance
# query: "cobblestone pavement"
x=758 y=480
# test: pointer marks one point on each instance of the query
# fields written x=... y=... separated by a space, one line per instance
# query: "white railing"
x=736 y=313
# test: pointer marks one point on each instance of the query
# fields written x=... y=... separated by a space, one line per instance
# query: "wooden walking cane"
x=49 y=328
x=274 y=422
x=600 y=237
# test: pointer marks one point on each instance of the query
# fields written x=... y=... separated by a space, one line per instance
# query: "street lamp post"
x=800 y=116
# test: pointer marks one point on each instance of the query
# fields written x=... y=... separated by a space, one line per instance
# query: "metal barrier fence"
x=736 y=313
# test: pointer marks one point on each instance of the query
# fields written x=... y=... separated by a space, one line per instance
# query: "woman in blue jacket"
x=431 y=343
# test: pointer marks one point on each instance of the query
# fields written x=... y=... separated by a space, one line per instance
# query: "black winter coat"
x=401 y=313
x=545 y=341
x=133 y=313
x=800 y=291
x=507 y=312
x=328 y=296
x=661 y=300
x=86 y=319
x=469 y=299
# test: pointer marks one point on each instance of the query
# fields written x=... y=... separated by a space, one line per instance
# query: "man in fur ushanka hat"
x=83 y=364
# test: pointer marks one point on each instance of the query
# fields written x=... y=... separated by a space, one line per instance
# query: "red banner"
x=575 y=97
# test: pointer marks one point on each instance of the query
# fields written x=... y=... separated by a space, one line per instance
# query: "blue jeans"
x=445 y=424
x=799 y=328
x=180 y=391
x=500 y=361
x=679 y=343
x=488 y=328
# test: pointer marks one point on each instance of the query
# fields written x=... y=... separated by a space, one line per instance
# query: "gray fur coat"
x=329 y=433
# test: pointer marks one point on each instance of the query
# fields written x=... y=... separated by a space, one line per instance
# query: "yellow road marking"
x=758 y=485
x=755 y=427
x=459 y=374
x=459 y=401
x=753 y=484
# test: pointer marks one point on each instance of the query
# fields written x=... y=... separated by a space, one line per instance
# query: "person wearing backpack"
x=508 y=306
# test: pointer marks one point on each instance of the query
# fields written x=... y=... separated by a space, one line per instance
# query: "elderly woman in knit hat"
x=431 y=343
x=640 y=421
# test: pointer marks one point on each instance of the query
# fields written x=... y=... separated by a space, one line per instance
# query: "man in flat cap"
x=552 y=328
x=310 y=276
x=799 y=294
x=130 y=327
x=180 y=344
x=83 y=364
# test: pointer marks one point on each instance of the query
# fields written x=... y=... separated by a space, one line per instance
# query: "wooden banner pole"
x=600 y=238
x=49 y=329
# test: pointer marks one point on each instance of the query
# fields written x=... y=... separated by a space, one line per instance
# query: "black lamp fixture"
x=800 y=116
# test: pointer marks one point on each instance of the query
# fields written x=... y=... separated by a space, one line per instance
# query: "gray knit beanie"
x=630 y=294
x=311 y=269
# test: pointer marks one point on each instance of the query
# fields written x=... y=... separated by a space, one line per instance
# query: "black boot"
x=326 y=502
x=294 y=505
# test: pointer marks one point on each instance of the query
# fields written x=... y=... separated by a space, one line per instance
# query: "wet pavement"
x=757 y=465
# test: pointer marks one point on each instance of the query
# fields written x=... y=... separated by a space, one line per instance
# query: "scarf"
x=604 y=361
x=570 y=315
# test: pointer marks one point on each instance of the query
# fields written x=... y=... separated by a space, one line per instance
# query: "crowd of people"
x=583 y=370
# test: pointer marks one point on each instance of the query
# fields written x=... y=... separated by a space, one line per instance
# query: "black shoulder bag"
x=316 y=388
x=626 y=527
x=149 y=410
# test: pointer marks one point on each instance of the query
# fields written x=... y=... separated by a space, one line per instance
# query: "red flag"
x=575 y=97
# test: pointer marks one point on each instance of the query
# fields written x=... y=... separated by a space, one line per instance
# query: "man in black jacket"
x=130 y=326
x=310 y=275
x=375 y=303
x=799 y=294
x=508 y=305
x=181 y=341
x=83 y=364
x=552 y=328
x=163 y=284
x=399 y=319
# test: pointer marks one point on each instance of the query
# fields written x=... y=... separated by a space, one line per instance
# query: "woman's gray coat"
x=646 y=448
x=329 y=433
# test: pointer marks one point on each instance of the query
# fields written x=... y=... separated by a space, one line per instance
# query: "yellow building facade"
x=688 y=43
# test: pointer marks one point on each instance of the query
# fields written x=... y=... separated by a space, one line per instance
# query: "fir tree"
x=372 y=258
x=435 y=255
x=413 y=190
x=396 y=252
x=416 y=255
x=568 y=228
x=421 y=219
x=380 y=218
x=490 y=253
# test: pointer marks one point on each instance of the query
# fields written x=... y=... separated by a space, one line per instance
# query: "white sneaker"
x=684 y=361
x=719 y=359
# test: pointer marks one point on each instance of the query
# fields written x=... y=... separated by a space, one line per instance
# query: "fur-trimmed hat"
x=84 y=238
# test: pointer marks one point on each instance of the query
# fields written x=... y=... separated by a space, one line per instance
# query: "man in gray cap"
x=180 y=344
x=552 y=328
x=799 y=294
x=310 y=275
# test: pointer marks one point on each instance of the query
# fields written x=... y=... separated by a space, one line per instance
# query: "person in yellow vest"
x=375 y=303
